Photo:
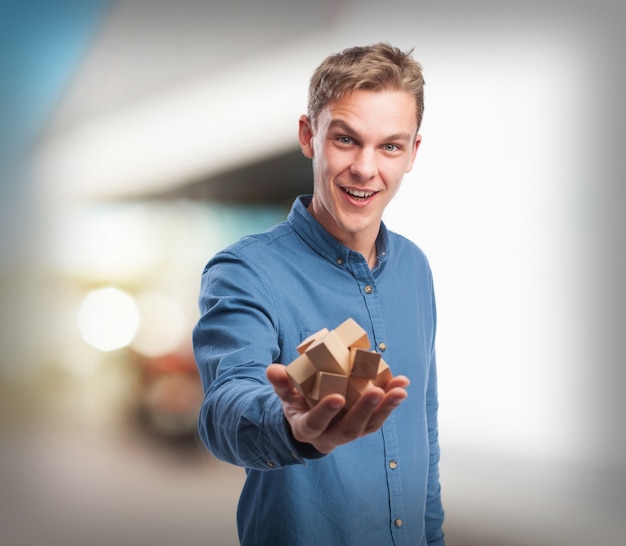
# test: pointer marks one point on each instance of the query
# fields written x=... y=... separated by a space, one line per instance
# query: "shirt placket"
x=393 y=469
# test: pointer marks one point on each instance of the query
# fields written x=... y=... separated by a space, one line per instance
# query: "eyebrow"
x=340 y=124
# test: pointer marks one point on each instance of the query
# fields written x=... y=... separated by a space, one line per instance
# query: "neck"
x=367 y=248
x=363 y=242
x=371 y=256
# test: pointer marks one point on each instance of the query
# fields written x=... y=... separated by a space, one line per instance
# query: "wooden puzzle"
x=337 y=361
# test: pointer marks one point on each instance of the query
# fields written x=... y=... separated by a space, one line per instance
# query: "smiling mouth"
x=358 y=193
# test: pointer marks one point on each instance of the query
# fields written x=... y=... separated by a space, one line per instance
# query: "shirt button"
x=339 y=261
x=393 y=464
x=270 y=464
x=398 y=522
x=382 y=346
x=368 y=289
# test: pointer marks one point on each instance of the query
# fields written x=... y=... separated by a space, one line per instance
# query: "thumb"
x=277 y=376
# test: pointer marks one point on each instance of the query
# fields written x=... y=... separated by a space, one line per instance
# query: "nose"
x=364 y=164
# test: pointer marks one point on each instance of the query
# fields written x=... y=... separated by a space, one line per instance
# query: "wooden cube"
x=383 y=374
x=337 y=361
x=304 y=345
x=302 y=372
x=364 y=363
x=329 y=383
x=356 y=387
x=352 y=335
x=330 y=354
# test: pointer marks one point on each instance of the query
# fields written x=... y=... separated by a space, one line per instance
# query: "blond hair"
x=377 y=67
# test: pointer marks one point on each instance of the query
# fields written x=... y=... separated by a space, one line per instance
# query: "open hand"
x=320 y=427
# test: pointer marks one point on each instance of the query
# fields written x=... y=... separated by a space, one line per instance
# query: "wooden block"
x=338 y=361
x=383 y=374
x=304 y=345
x=302 y=372
x=329 y=383
x=364 y=363
x=356 y=387
x=352 y=334
x=330 y=354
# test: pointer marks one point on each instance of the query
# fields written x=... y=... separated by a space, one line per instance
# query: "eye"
x=391 y=147
x=344 y=140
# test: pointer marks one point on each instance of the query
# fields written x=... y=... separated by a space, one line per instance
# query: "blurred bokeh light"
x=108 y=319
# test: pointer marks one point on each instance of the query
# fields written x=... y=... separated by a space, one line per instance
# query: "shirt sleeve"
x=237 y=336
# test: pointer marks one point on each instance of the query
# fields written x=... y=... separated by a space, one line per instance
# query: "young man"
x=324 y=476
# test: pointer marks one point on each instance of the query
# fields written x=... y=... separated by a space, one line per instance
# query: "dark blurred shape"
x=169 y=397
x=274 y=179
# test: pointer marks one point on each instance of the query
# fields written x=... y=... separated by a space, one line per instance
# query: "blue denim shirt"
x=259 y=299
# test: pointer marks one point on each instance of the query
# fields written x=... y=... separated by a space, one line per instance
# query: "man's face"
x=361 y=148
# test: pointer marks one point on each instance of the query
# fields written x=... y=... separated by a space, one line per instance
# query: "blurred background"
x=139 y=137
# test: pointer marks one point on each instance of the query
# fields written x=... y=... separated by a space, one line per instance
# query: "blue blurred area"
x=41 y=45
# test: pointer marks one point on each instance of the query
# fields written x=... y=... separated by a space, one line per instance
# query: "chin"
x=353 y=227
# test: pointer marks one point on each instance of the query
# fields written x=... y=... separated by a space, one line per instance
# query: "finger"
x=400 y=381
x=277 y=376
x=318 y=418
x=325 y=411
x=357 y=418
x=391 y=401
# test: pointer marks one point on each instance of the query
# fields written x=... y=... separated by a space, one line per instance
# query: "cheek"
x=320 y=168
x=410 y=161
x=394 y=172
x=326 y=162
x=319 y=151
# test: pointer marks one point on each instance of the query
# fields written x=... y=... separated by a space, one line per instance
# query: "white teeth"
x=358 y=193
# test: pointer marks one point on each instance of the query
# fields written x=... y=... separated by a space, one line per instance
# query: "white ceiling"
x=172 y=92
x=145 y=48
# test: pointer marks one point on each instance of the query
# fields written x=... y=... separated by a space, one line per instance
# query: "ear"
x=416 y=145
x=305 y=135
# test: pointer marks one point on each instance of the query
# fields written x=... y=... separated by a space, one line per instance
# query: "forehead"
x=394 y=111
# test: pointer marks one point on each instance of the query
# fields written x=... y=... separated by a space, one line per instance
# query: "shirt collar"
x=303 y=222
